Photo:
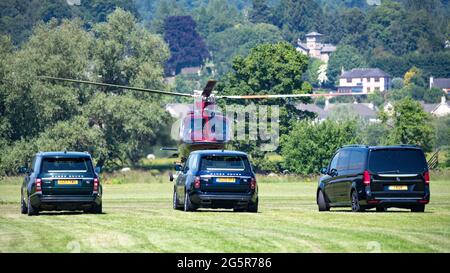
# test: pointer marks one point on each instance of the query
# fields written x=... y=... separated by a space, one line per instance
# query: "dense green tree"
x=215 y=17
x=433 y=95
x=298 y=17
x=309 y=146
x=260 y=12
x=345 y=57
x=187 y=47
x=238 y=40
x=410 y=124
x=130 y=126
x=126 y=53
x=32 y=105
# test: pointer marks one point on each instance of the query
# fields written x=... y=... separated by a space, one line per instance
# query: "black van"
x=380 y=177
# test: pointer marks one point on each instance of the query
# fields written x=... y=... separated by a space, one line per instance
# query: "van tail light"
x=366 y=178
x=253 y=183
x=96 y=184
x=197 y=182
x=426 y=176
x=38 y=185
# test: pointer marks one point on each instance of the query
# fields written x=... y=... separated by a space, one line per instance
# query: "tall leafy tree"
x=410 y=124
x=260 y=12
x=345 y=57
x=126 y=53
x=187 y=47
x=309 y=146
x=238 y=40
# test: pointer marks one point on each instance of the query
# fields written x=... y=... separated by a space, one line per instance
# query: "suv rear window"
x=226 y=162
x=397 y=161
x=54 y=165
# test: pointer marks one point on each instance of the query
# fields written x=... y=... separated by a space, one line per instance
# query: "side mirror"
x=177 y=167
x=171 y=177
x=98 y=169
x=324 y=170
x=23 y=170
x=333 y=172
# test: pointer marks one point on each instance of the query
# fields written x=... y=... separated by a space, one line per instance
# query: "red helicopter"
x=204 y=127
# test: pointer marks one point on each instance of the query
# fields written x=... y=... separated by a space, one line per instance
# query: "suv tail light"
x=96 y=183
x=253 y=183
x=426 y=176
x=366 y=178
x=197 y=182
x=38 y=185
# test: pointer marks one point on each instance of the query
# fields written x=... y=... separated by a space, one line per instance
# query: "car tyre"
x=176 y=202
x=356 y=206
x=31 y=210
x=322 y=202
x=96 y=208
x=418 y=208
x=253 y=206
x=23 y=207
x=188 y=206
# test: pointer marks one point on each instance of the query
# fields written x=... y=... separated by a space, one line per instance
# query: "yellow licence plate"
x=225 y=179
x=67 y=182
x=398 y=188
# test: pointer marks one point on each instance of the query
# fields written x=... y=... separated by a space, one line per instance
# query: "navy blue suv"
x=216 y=179
x=364 y=177
x=61 y=181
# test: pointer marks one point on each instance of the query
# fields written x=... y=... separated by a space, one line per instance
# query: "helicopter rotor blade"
x=209 y=88
x=154 y=91
x=284 y=96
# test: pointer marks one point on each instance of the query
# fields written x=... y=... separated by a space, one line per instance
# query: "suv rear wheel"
x=356 y=206
x=322 y=202
x=96 y=209
x=30 y=209
x=418 y=208
x=23 y=207
x=176 y=203
x=253 y=207
x=188 y=206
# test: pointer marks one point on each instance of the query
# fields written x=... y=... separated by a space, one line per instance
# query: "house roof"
x=328 y=48
x=443 y=83
x=361 y=109
x=302 y=45
x=311 y=34
x=321 y=113
x=364 y=73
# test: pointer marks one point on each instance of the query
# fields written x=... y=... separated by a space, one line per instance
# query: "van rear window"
x=397 y=161
x=54 y=165
x=228 y=163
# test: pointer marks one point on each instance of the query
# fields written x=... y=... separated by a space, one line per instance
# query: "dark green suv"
x=61 y=181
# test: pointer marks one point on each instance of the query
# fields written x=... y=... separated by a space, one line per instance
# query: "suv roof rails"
x=355 y=145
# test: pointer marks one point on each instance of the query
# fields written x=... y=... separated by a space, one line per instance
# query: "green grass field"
x=138 y=218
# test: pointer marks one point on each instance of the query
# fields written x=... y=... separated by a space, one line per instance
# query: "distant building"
x=73 y=2
x=441 y=83
x=366 y=111
x=315 y=48
x=364 y=80
x=191 y=70
x=438 y=109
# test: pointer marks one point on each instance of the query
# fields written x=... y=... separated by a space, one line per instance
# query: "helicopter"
x=204 y=127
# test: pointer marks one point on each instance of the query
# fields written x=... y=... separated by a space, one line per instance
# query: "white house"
x=441 y=83
x=315 y=48
x=364 y=80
